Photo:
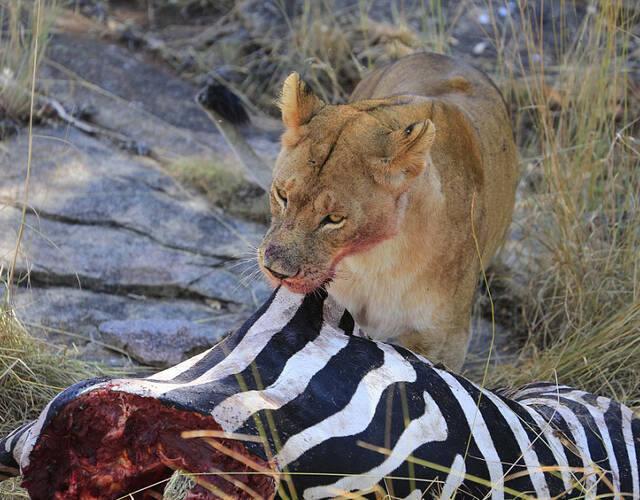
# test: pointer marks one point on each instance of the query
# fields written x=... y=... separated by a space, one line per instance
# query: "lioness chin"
x=392 y=199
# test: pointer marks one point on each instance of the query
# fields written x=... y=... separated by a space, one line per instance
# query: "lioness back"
x=473 y=93
x=392 y=199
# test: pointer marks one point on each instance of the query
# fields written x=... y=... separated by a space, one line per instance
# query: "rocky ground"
x=119 y=262
x=116 y=256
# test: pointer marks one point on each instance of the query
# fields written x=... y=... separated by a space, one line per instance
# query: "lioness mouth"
x=306 y=286
x=108 y=444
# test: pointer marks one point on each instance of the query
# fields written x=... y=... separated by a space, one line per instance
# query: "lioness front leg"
x=444 y=344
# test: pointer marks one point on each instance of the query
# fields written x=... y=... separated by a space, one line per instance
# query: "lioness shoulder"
x=383 y=199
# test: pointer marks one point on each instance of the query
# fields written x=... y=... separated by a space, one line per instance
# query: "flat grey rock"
x=77 y=180
x=119 y=236
x=71 y=317
x=163 y=343
x=118 y=71
x=113 y=260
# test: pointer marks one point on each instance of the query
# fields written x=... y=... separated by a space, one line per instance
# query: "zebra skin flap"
x=299 y=404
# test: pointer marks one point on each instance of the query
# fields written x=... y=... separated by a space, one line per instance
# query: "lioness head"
x=340 y=181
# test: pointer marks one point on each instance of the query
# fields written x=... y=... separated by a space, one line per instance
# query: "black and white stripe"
x=328 y=390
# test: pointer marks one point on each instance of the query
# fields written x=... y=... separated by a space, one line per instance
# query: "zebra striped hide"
x=342 y=414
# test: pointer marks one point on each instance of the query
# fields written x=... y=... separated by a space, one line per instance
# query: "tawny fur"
x=397 y=167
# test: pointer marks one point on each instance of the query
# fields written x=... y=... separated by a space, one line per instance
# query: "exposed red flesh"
x=106 y=444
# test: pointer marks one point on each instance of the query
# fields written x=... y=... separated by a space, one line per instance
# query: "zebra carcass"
x=299 y=404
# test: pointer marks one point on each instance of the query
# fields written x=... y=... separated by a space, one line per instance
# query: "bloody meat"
x=106 y=444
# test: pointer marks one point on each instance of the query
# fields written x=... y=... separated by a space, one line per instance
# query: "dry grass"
x=331 y=45
x=223 y=185
x=178 y=486
x=577 y=281
x=18 y=25
x=32 y=372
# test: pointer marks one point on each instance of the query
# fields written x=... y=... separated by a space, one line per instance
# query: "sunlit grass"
x=578 y=283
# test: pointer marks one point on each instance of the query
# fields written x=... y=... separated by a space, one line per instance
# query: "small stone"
x=142 y=149
x=483 y=17
x=479 y=48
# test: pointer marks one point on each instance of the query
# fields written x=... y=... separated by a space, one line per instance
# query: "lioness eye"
x=333 y=219
x=281 y=197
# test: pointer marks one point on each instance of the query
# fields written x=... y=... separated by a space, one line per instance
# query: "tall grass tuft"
x=579 y=282
x=32 y=372
x=20 y=49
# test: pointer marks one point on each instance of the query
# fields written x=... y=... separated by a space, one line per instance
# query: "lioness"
x=375 y=198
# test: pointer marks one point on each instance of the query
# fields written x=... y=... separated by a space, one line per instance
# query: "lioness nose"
x=280 y=276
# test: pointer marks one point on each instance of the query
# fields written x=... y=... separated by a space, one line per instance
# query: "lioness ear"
x=407 y=150
x=297 y=102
